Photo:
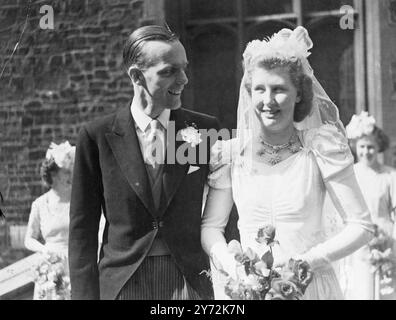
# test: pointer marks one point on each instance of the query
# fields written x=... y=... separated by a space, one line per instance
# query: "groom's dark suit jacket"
x=110 y=174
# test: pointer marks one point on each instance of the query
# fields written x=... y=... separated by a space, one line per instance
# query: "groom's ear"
x=136 y=76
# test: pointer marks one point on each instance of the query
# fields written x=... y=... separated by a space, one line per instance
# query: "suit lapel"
x=173 y=173
x=124 y=143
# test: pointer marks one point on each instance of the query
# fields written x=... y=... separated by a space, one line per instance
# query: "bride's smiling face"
x=274 y=97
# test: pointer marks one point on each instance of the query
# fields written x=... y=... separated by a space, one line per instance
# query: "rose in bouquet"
x=51 y=278
x=382 y=259
x=255 y=276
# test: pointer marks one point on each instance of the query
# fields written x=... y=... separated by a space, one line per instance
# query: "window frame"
x=238 y=24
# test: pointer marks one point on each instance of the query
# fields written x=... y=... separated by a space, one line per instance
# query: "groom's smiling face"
x=165 y=78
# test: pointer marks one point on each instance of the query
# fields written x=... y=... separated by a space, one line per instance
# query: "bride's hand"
x=283 y=261
x=280 y=262
x=225 y=263
x=223 y=258
x=281 y=257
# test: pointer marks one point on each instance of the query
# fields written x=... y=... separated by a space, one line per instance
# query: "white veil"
x=285 y=45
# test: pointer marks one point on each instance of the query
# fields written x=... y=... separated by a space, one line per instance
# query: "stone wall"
x=57 y=80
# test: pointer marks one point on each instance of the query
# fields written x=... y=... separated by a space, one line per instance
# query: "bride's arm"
x=350 y=204
x=215 y=217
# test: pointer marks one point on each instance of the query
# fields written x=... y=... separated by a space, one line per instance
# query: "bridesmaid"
x=378 y=184
x=48 y=226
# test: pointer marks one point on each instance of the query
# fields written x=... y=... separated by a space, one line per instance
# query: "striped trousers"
x=157 y=278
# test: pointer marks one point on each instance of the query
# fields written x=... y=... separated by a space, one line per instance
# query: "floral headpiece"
x=360 y=125
x=286 y=44
x=63 y=154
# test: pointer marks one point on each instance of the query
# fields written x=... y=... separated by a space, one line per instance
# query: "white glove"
x=223 y=260
x=316 y=258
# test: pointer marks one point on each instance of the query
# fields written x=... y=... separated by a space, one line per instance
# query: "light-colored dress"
x=379 y=190
x=50 y=222
x=290 y=196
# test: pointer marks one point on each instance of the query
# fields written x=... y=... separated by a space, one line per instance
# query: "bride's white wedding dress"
x=290 y=196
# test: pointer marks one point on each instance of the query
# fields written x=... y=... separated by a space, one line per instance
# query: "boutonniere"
x=191 y=135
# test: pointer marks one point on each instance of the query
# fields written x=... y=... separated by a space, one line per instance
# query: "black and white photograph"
x=210 y=151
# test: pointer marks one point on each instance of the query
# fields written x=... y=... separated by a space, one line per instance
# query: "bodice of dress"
x=288 y=195
x=50 y=220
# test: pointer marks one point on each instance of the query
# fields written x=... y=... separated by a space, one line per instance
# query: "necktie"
x=154 y=158
x=154 y=153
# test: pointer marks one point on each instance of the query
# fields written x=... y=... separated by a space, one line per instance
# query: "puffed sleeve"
x=335 y=162
x=221 y=156
x=33 y=228
x=330 y=148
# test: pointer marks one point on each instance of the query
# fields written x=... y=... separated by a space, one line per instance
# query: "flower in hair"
x=286 y=44
x=360 y=125
x=63 y=154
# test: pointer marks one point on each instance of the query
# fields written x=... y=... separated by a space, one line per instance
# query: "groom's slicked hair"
x=133 y=55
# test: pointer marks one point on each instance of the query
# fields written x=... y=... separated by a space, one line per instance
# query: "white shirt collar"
x=142 y=120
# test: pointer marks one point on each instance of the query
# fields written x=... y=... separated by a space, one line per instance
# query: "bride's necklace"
x=273 y=153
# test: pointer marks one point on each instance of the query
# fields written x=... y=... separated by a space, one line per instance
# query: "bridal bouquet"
x=257 y=279
x=51 y=279
x=383 y=260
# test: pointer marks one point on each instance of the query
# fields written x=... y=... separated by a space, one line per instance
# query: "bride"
x=289 y=151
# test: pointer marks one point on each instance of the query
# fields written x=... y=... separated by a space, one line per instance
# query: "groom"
x=151 y=242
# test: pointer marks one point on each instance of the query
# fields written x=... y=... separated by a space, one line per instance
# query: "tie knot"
x=154 y=130
x=155 y=125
